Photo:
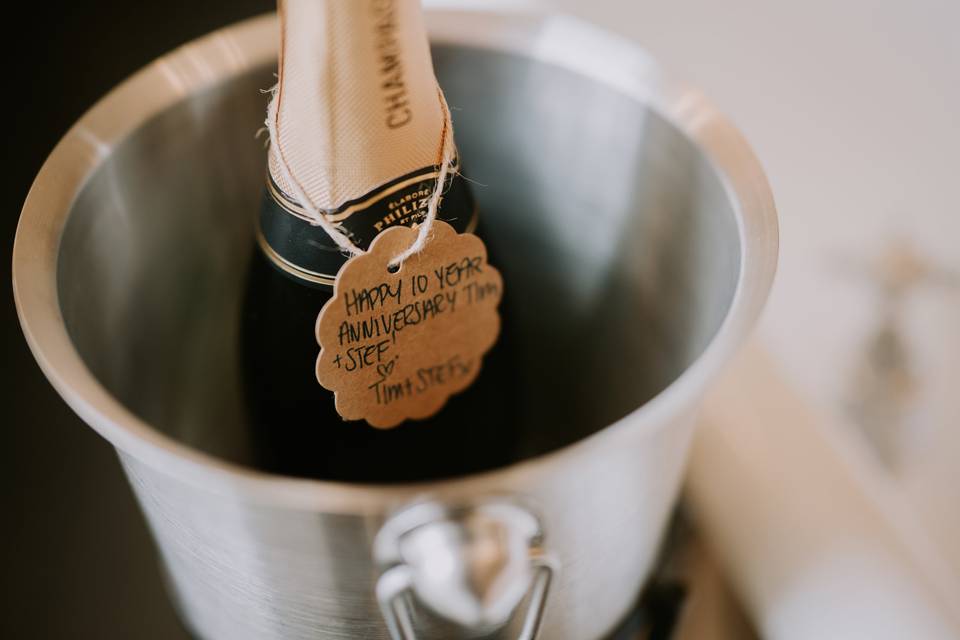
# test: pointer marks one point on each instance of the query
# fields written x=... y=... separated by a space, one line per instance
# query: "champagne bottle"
x=358 y=131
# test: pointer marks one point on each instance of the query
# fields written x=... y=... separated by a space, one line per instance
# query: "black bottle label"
x=304 y=250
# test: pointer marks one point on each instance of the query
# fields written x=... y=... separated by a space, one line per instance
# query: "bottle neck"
x=359 y=126
x=358 y=103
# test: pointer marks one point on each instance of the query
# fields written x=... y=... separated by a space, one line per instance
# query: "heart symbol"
x=386 y=369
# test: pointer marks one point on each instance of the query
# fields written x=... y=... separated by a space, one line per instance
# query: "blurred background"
x=78 y=561
x=851 y=107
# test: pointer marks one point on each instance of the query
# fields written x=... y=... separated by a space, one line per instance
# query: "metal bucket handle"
x=471 y=565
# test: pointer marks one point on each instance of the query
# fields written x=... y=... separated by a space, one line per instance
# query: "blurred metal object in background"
x=619 y=200
x=882 y=391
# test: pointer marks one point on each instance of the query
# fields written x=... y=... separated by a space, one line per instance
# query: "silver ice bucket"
x=637 y=236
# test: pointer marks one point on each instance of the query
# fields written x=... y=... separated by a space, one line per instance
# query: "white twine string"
x=335 y=231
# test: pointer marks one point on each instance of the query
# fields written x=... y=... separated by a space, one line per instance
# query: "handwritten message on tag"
x=397 y=345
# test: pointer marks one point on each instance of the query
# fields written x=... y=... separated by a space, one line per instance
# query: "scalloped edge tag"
x=395 y=345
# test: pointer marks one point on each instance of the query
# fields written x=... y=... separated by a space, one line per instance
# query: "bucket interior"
x=616 y=238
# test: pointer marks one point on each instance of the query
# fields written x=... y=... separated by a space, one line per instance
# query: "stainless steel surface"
x=616 y=200
x=472 y=565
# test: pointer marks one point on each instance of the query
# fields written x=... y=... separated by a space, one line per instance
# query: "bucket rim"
x=206 y=61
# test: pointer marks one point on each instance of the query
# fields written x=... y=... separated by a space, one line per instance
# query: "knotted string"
x=336 y=232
